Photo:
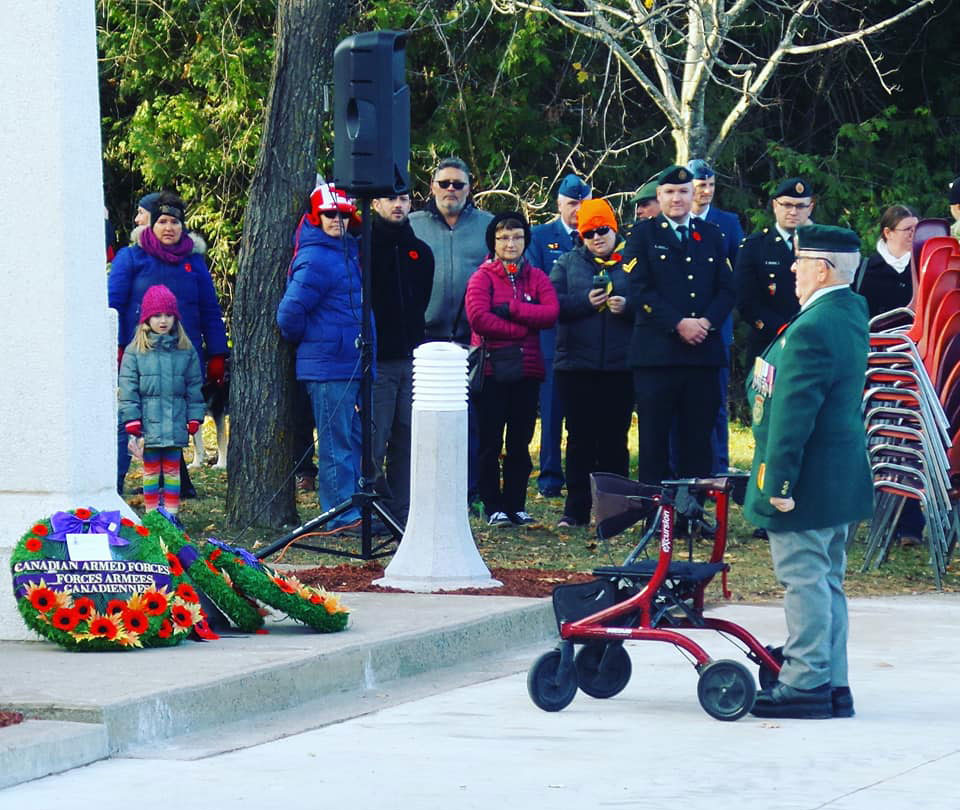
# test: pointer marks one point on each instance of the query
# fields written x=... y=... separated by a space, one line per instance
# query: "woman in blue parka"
x=320 y=313
x=163 y=253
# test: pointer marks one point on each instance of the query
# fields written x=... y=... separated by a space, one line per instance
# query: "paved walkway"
x=481 y=745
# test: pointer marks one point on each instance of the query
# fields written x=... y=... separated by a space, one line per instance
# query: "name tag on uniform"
x=763 y=375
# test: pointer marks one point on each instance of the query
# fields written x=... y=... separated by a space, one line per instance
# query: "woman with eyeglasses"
x=320 y=312
x=508 y=302
x=887 y=281
x=592 y=374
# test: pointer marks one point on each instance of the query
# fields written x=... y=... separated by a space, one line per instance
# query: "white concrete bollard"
x=437 y=552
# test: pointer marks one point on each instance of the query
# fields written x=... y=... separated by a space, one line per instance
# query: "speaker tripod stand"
x=366 y=499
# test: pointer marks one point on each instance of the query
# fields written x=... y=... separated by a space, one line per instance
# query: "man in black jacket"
x=401 y=281
x=681 y=289
x=763 y=277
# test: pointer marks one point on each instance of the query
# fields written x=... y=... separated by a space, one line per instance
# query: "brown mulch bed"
x=516 y=581
x=10 y=718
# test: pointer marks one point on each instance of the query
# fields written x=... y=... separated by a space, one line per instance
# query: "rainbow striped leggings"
x=157 y=460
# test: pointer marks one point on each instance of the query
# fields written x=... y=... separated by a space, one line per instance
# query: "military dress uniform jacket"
x=669 y=282
x=548 y=242
x=810 y=440
x=766 y=289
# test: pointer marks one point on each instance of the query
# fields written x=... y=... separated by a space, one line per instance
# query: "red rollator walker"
x=656 y=599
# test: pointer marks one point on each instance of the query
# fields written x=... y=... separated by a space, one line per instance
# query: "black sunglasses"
x=333 y=214
x=457 y=184
x=603 y=230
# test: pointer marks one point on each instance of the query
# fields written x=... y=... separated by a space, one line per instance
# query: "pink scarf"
x=172 y=254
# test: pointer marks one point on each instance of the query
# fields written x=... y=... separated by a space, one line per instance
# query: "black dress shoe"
x=842 y=699
x=781 y=700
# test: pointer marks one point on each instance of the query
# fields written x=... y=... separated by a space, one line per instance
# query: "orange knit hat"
x=594 y=214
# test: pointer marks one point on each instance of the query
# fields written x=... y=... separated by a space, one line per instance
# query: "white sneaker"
x=523 y=518
x=499 y=519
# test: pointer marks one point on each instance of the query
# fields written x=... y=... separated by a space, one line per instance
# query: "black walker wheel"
x=726 y=690
x=603 y=670
x=767 y=676
x=552 y=686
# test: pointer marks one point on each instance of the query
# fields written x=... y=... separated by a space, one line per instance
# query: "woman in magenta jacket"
x=508 y=302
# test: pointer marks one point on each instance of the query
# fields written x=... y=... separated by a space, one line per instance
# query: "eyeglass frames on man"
x=457 y=184
x=793 y=206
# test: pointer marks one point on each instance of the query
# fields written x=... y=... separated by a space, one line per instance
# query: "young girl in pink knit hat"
x=160 y=395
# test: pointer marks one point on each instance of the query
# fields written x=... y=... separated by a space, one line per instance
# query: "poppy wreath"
x=136 y=599
x=213 y=582
x=315 y=607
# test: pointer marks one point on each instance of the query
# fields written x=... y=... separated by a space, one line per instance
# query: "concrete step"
x=36 y=748
x=242 y=690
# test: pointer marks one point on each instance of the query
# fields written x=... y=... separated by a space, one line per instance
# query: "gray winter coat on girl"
x=161 y=388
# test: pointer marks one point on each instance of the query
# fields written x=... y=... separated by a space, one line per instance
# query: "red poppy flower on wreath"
x=414 y=255
x=116 y=606
x=143 y=531
x=127 y=522
x=283 y=585
x=65 y=619
x=83 y=514
x=83 y=607
x=186 y=592
x=182 y=616
x=135 y=621
x=316 y=599
x=175 y=568
x=166 y=629
x=215 y=554
x=104 y=626
x=40 y=529
x=42 y=599
x=154 y=603
x=696 y=236
x=212 y=567
x=33 y=544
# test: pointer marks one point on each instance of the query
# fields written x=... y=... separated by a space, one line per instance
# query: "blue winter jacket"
x=134 y=270
x=320 y=310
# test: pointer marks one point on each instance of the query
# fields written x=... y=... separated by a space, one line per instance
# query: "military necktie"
x=682 y=233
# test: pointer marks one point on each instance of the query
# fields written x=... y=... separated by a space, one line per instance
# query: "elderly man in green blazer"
x=811 y=481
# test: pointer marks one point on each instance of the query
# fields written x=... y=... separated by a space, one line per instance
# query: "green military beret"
x=827 y=238
x=648 y=191
x=793 y=187
x=675 y=175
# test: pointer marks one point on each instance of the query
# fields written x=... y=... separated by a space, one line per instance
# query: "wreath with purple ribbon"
x=134 y=599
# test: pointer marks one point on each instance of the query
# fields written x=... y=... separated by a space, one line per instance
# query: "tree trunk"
x=261 y=458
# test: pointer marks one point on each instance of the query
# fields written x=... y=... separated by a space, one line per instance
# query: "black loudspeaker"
x=371 y=109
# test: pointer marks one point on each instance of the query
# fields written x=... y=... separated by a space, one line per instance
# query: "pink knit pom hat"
x=156 y=301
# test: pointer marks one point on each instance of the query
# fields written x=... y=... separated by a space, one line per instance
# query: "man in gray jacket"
x=455 y=230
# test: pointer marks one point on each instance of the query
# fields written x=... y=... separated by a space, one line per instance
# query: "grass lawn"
x=542 y=545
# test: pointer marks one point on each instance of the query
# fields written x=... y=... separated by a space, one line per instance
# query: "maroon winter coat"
x=533 y=306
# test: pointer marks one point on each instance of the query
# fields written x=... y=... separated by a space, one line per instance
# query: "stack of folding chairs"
x=911 y=404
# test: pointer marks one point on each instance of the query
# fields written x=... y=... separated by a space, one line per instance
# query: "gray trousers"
x=811 y=566
x=392 y=430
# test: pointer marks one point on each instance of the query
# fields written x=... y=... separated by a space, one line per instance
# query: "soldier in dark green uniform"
x=762 y=276
x=811 y=479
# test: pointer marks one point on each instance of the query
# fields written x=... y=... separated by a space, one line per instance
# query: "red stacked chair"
x=911 y=403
